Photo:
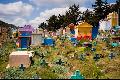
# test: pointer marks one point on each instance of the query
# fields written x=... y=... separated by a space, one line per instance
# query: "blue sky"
x=21 y=12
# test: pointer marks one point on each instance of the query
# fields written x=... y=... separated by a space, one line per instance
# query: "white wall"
x=104 y=25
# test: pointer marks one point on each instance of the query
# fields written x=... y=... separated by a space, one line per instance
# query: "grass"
x=102 y=69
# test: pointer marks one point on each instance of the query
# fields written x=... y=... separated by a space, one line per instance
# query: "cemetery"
x=75 y=51
x=63 y=59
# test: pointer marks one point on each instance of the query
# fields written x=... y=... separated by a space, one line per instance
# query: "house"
x=113 y=18
x=83 y=31
x=104 y=25
x=37 y=37
x=24 y=36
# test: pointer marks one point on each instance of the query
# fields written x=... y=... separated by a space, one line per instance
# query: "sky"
x=34 y=12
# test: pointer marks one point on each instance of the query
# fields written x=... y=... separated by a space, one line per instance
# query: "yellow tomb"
x=113 y=18
x=83 y=29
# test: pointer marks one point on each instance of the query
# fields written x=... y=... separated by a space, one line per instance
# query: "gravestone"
x=77 y=75
x=74 y=44
x=111 y=55
x=42 y=55
x=82 y=57
x=43 y=63
x=93 y=49
x=95 y=43
x=96 y=57
x=60 y=62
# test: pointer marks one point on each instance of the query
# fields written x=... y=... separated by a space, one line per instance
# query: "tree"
x=88 y=16
x=56 y=22
x=10 y=27
x=62 y=20
x=43 y=26
x=98 y=8
x=53 y=23
x=73 y=14
x=106 y=9
x=101 y=9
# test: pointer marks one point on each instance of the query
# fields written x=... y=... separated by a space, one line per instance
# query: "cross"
x=95 y=43
x=111 y=55
x=77 y=75
x=96 y=57
x=82 y=57
x=93 y=49
x=60 y=62
x=35 y=76
x=74 y=44
x=21 y=67
x=43 y=63
x=36 y=52
x=42 y=55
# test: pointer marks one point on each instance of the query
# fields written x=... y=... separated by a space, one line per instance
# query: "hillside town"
x=70 y=46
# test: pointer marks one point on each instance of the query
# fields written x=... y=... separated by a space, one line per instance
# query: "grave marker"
x=96 y=57
x=77 y=75
x=111 y=55
x=93 y=49
x=42 y=55
x=82 y=57
x=60 y=62
x=43 y=63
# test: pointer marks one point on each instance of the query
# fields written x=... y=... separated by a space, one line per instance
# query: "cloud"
x=47 y=13
x=17 y=22
x=61 y=3
x=43 y=2
x=15 y=13
x=15 y=9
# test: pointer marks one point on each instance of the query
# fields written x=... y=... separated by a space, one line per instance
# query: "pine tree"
x=101 y=9
x=106 y=9
x=73 y=14
x=43 y=26
x=53 y=23
x=88 y=16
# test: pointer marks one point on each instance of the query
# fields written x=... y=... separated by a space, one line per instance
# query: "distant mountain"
x=4 y=24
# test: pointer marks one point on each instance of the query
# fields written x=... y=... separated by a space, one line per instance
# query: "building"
x=113 y=18
x=104 y=25
x=37 y=37
x=83 y=31
x=24 y=36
